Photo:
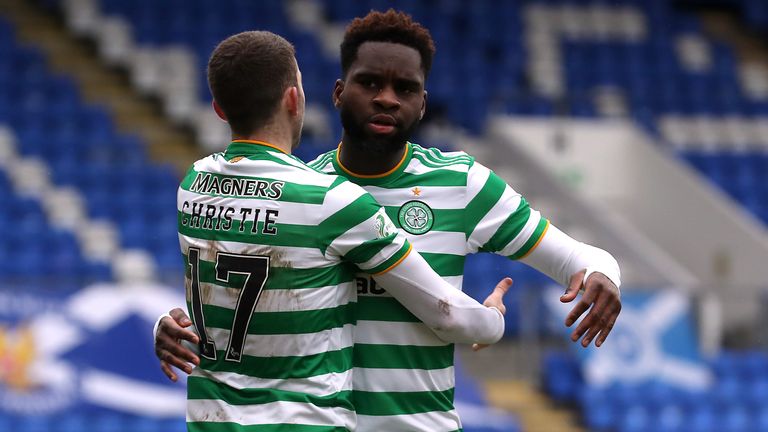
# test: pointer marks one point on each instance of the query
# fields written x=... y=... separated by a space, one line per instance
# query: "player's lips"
x=382 y=124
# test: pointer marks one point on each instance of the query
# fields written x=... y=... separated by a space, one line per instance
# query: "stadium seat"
x=562 y=378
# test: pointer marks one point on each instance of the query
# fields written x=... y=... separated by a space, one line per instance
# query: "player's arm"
x=581 y=267
x=499 y=220
x=357 y=229
x=451 y=314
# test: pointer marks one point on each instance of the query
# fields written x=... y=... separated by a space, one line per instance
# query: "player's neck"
x=361 y=158
x=279 y=140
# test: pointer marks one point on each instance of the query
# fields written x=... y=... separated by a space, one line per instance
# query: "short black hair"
x=390 y=26
x=247 y=74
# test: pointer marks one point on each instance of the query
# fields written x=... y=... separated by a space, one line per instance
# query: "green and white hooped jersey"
x=271 y=249
x=449 y=206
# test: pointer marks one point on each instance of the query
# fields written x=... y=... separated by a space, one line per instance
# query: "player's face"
x=382 y=97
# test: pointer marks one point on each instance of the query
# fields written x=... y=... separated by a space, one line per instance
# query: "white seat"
x=133 y=266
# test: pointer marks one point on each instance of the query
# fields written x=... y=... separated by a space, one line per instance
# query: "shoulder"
x=432 y=156
x=207 y=163
x=324 y=162
x=342 y=189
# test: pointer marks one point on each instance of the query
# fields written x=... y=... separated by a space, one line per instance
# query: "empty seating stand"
x=81 y=148
x=734 y=403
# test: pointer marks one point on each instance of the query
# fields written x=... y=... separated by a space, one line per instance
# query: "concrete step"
x=535 y=410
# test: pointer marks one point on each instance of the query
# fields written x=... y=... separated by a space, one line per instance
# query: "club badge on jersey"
x=416 y=217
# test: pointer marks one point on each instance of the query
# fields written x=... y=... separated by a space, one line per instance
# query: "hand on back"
x=168 y=347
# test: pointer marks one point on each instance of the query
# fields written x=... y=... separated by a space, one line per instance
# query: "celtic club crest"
x=416 y=217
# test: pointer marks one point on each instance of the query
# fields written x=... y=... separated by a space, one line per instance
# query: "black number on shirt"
x=255 y=268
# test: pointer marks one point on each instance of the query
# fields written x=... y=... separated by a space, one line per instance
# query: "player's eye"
x=407 y=88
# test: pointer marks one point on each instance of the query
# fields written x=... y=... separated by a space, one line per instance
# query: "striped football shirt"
x=271 y=249
x=449 y=206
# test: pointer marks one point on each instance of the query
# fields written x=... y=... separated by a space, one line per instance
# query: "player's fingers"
x=478 y=347
x=584 y=325
x=502 y=287
x=592 y=292
x=605 y=307
x=574 y=285
x=172 y=360
x=576 y=312
x=591 y=333
x=184 y=353
x=191 y=352
x=168 y=372
x=186 y=335
x=171 y=328
x=595 y=320
x=607 y=329
x=496 y=298
x=172 y=345
x=180 y=317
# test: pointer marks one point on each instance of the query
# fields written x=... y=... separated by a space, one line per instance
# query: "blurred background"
x=640 y=126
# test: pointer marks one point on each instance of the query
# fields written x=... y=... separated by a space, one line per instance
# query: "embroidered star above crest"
x=416 y=191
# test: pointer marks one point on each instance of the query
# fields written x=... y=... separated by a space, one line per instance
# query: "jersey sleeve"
x=356 y=228
x=498 y=219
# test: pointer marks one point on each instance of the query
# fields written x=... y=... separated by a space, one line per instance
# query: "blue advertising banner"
x=654 y=339
x=90 y=352
x=84 y=362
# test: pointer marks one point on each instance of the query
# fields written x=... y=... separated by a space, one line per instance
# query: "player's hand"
x=602 y=296
x=168 y=347
x=496 y=299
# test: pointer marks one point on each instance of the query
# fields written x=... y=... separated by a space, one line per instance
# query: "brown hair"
x=247 y=75
x=390 y=26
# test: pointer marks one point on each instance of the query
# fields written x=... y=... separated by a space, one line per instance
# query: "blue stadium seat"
x=72 y=423
x=562 y=378
x=670 y=418
x=703 y=419
x=32 y=424
x=109 y=423
x=636 y=419
x=761 y=419
x=601 y=412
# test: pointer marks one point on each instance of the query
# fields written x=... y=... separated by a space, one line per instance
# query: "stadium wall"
x=624 y=171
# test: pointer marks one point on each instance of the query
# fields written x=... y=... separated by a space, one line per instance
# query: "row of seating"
x=79 y=422
x=735 y=402
x=82 y=148
x=742 y=175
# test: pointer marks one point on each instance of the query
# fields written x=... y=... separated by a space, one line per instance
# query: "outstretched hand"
x=168 y=346
x=602 y=295
x=496 y=299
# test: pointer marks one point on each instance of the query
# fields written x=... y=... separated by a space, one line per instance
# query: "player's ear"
x=423 y=105
x=219 y=111
x=338 y=88
x=291 y=100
